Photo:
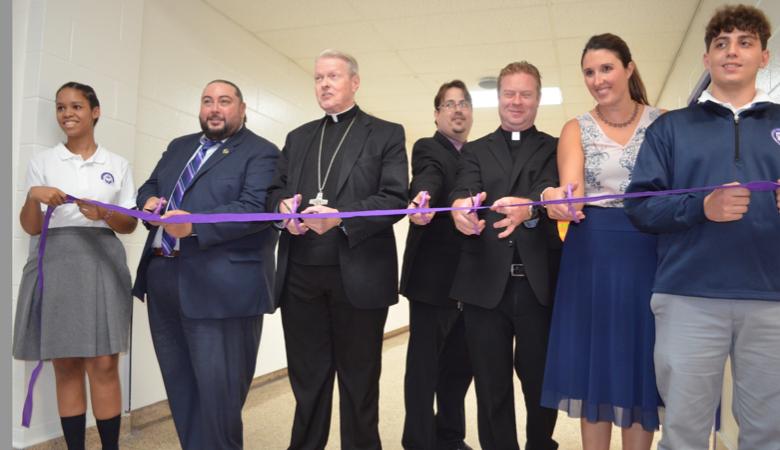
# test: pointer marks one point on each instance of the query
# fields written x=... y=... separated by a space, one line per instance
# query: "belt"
x=517 y=270
x=157 y=251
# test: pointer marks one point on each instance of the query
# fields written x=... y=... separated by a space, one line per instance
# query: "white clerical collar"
x=335 y=117
x=761 y=97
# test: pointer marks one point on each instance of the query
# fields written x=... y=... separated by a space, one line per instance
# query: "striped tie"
x=187 y=175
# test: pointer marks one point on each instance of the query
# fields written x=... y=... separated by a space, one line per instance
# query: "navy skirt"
x=600 y=354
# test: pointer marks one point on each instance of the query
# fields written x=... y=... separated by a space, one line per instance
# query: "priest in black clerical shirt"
x=336 y=278
x=508 y=263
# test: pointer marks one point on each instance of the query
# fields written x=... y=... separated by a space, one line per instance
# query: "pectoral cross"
x=318 y=200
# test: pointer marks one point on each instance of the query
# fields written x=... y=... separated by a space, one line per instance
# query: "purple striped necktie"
x=187 y=175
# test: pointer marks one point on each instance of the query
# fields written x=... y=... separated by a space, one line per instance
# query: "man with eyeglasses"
x=437 y=363
x=508 y=263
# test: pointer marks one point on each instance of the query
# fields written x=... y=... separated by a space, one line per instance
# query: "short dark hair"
x=618 y=46
x=230 y=83
x=446 y=87
x=740 y=17
x=88 y=93
x=521 y=67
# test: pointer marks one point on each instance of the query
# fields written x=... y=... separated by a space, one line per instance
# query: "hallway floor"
x=269 y=410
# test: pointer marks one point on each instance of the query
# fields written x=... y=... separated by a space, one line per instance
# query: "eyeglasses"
x=452 y=106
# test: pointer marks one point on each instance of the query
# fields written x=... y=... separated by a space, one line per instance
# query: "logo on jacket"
x=109 y=179
x=776 y=135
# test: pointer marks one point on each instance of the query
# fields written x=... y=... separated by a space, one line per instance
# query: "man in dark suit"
x=336 y=277
x=507 y=268
x=437 y=363
x=209 y=284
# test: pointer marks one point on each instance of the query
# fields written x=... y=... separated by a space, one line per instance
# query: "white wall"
x=148 y=62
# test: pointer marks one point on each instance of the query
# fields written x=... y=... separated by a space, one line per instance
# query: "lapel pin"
x=225 y=151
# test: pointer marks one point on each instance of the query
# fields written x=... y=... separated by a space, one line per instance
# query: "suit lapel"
x=309 y=141
x=528 y=147
x=181 y=158
x=451 y=152
x=353 y=146
x=500 y=150
x=222 y=152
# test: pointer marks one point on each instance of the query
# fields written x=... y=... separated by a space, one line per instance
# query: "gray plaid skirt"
x=86 y=305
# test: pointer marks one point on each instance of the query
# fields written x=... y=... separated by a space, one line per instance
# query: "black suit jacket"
x=432 y=251
x=373 y=175
x=483 y=269
x=225 y=269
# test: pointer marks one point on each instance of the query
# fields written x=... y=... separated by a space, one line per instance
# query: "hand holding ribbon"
x=154 y=205
x=290 y=206
x=321 y=226
x=466 y=220
x=420 y=201
x=90 y=211
x=777 y=195
x=47 y=195
x=515 y=215
x=562 y=211
x=727 y=205
x=177 y=230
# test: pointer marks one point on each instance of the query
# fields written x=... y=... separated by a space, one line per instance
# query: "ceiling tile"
x=283 y=14
x=479 y=27
x=309 y=42
x=383 y=9
x=621 y=17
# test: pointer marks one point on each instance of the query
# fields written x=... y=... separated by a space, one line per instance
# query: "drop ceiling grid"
x=406 y=48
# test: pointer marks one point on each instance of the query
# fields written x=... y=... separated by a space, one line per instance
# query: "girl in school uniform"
x=81 y=321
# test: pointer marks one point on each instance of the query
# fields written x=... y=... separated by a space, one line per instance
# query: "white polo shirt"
x=105 y=177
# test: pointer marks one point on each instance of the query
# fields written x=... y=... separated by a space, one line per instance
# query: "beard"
x=216 y=134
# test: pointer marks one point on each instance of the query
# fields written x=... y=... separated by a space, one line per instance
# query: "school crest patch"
x=776 y=135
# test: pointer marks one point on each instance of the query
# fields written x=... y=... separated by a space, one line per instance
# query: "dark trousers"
x=518 y=319
x=325 y=335
x=437 y=366
x=207 y=364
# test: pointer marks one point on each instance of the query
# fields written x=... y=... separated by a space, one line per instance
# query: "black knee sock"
x=109 y=432
x=73 y=428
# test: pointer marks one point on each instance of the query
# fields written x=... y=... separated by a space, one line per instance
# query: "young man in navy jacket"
x=717 y=287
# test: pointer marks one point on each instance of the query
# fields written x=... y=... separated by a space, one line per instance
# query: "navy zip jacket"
x=703 y=145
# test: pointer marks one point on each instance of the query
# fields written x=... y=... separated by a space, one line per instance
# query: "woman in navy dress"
x=600 y=355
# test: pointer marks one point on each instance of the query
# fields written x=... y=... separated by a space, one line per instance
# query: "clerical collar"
x=513 y=136
x=344 y=115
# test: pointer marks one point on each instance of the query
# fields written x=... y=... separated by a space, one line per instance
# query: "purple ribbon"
x=296 y=217
x=281 y=217
x=28 y=401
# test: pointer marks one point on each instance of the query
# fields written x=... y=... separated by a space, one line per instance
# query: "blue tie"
x=187 y=175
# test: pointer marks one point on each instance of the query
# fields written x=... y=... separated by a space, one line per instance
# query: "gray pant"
x=693 y=338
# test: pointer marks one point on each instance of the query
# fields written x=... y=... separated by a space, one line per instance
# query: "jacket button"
x=511 y=243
